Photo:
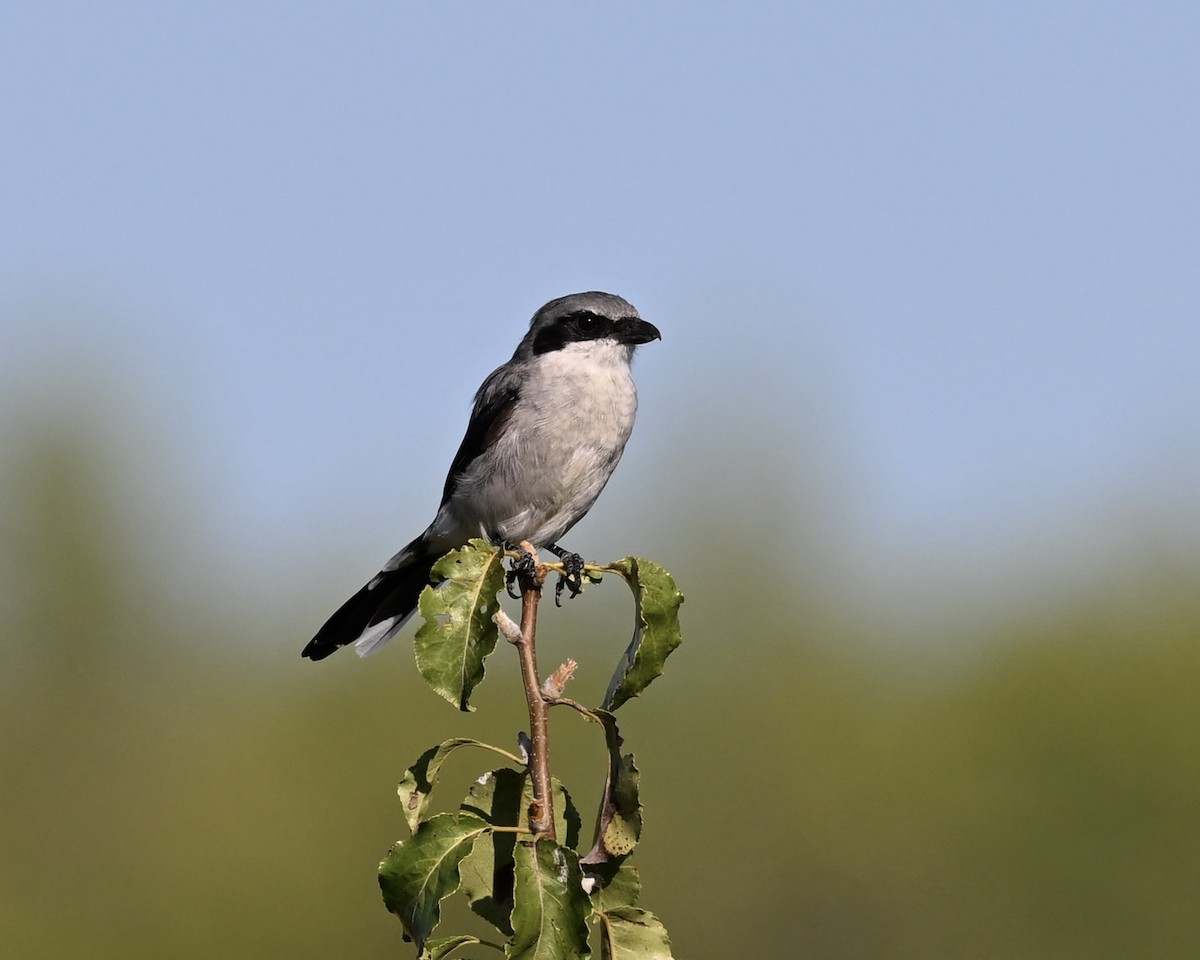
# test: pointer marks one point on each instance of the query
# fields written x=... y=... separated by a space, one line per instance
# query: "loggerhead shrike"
x=546 y=432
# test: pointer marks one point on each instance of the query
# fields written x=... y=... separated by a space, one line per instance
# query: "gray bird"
x=546 y=432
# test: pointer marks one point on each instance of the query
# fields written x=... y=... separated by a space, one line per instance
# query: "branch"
x=541 y=810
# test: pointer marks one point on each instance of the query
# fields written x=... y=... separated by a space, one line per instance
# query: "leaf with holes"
x=459 y=632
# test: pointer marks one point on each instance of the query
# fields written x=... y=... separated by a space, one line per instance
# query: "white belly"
x=559 y=449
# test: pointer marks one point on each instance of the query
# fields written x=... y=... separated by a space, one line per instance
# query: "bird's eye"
x=590 y=325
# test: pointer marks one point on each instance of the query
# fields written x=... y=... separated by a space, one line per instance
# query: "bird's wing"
x=494 y=404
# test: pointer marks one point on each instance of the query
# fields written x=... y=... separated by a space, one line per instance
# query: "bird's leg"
x=572 y=575
x=524 y=569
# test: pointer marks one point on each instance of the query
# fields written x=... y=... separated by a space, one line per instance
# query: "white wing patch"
x=375 y=637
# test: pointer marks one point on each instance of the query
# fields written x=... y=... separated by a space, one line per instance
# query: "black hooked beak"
x=635 y=330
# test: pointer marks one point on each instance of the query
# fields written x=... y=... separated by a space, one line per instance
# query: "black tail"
x=379 y=607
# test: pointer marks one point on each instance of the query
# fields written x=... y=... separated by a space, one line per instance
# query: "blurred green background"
x=177 y=782
x=920 y=445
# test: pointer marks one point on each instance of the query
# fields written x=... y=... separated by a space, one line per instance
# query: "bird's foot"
x=572 y=575
x=523 y=571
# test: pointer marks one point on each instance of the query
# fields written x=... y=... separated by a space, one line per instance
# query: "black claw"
x=572 y=575
x=523 y=569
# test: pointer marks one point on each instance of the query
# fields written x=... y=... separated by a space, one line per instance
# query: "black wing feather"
x=494 y=405
x=391 y=593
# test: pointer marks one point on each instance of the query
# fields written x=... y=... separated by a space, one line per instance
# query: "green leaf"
x=627 y=933
x=502 y=798
x=656 y=629
x=619 y=824
x=442 y=948
x=550 y=917
x=487 y=874
x=617 y=885
x=459 y=633
x=420 y=872
x=419 y=779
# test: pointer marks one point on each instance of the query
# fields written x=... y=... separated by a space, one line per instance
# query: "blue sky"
x=942 y=257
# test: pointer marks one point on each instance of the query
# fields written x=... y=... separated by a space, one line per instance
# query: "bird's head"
x=587 y=317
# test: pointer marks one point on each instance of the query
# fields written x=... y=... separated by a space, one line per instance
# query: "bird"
x=545 y=433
